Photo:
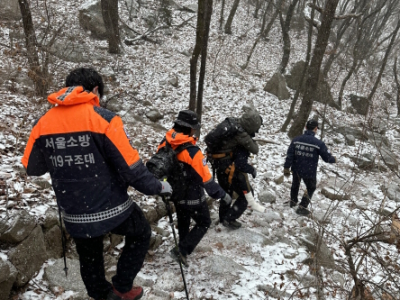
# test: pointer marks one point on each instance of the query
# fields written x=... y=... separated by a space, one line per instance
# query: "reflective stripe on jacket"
x=90 y=160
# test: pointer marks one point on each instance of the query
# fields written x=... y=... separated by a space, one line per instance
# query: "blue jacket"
x=303 y=155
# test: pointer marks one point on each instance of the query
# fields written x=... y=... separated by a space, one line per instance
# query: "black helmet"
x=188 y=118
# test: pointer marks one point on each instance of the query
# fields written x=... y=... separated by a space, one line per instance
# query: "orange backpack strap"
x=230 y=171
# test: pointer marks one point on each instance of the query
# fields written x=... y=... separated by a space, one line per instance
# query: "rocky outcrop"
x=91 y=19
x=277 y=86
x=29 y=256
x=9 y=10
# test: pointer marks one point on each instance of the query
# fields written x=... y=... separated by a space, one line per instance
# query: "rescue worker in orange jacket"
x=91 y=162
x=193 y=204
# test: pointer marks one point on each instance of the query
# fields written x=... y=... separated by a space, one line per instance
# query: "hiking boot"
x=232 y=224
x=179 y=257
x=292 y=203
x=302 y=211
x=135 y=293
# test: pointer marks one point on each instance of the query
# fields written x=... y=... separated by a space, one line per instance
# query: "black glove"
x=254 y=173
x=166 y=190
x=286 y=172
x=227 y=198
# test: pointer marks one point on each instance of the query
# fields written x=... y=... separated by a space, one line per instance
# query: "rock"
x=392 y=191
x=267 y=197
x=277 y=86
x=334 y=193
x=169 y=281
x=173 y=80
x=155 y=242
x=192 y=8
x=363 y=163
x=6 y=285
x=151 y=214
x=20 y=225
x=311 y=240
x=271 y=216
x=273 y=292
x=154 y=115
x=51 y=218
x=360 y=104
x=279 y=180
x=115 y=105
x=324 y=94
x=29 y=256
x=53 y=242
x=91 y=19
x=4 y=270
x=389 y=159
x=357 y=133
x=9 y=10
x=56 y=278
x=350 y=139
x=42 y=183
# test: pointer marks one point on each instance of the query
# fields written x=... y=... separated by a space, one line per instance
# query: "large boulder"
x=323 y=95
x=315 y=244
x=9 y=10
x=53 y=241
x=7 y=284
x=389 y=159
x=360 y=104
x=91 y=19
x=29 y=256
x=20 y=225
x=4 y=270
x=277 y=86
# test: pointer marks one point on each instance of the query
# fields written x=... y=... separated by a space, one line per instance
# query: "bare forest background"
x=333 y=60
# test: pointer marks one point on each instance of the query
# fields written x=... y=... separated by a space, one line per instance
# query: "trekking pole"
x=171 y=222
x=63 y=241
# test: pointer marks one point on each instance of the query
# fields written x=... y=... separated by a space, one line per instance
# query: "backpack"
x=165 y=164
x=220 y=135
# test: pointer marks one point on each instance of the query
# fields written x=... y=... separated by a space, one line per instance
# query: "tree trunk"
x=263 y=34
x=196 y=53
x=204 y=46
x=109 y=9
x=388 y=50
x=315 y=66
x=264 y=20
x=36 y=73
x=285 y=34
x=396 y=79
x=221 y=17
x=305 y=71
x=228 y=25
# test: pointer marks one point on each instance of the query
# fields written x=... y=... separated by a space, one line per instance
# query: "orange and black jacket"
x=90 y=160
x=198 y=175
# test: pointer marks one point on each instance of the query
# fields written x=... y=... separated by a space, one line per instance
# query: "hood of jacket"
x=177 y=138
x=250 y=120
x=73 y=95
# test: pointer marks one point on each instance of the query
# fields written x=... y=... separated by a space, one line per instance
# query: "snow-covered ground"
x=268 y=249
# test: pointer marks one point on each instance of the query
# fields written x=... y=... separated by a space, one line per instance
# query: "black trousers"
x=188 y=240
x=240 y=185
x=137 y=234
x=311 y=185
